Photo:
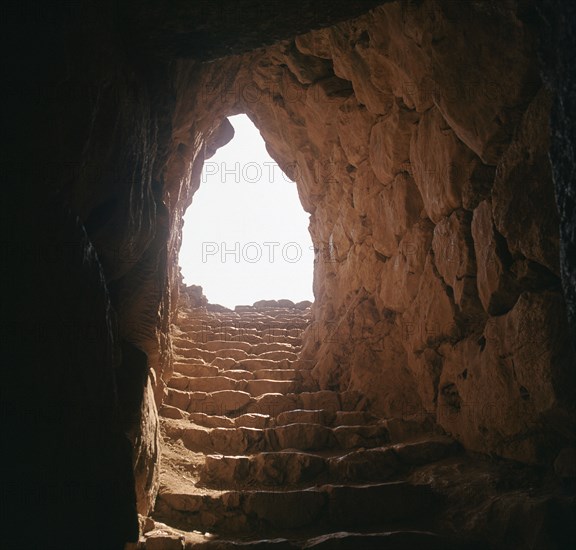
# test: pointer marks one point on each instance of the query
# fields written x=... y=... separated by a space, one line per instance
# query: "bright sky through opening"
x=245 y=235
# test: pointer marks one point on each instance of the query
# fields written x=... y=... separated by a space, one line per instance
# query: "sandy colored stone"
x=496 y=287
x=195 y=369
x=260 y=387
x=212 y=384
x=285 y=468
x=253 y=420
x=210 y=420
x=271 y=404
x=390 y=143
x=220 y=345
x=512 y=378
x=454 y=258
x=523 y=204
x=304 y=437
x=304 y=416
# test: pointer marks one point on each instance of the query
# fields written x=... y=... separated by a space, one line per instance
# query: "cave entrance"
x=245 y=235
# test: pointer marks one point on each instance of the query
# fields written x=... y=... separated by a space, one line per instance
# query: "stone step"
x=239 y=374
x=210 y=420
x=205 y=384
x=278 y=355
x=210 y=384
x=262 y=386
x=182 y=342
x=254 y=364
x=223 y=362
x=379 y=463
x=232 y=353
x=253 y=420
x=268 y=468
x=196 y=353
x=195 y=369
x=337 y=506
x=275 y=374
x=242 y=440
x=218 y=345
x=249 y=338
x=326 y=418
x=271 y=404
x=264 y=347
x=218 y=402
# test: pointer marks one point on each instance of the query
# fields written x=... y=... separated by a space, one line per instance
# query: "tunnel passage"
x=421 y=134
x=437 y=278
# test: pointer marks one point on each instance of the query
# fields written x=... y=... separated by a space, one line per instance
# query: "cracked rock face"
x=418 y=140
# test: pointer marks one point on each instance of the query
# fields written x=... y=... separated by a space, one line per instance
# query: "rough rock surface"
x=431 y=202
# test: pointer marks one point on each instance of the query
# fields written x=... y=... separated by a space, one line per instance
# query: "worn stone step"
x=196 y=353
x=276 y=374
x=278 y=355
x=219 y=345
x=223 y=363
x=237 y=440
x=255 y=363
x=365 y=465
x=268 y=468
x=260 y=387
x=210 y=420
x=272 y=404
x=282 y=339
x=248 y=338
x=238 y=374
x=260 y=421
x=253 y=420
x=243 y=440
x=195 y=369
x=217 y=402
x=305 y=416
x=168 y=411
x=232 y=353
x=265 y=347
x=338 y=506
x=183 y=342
x=303 y=437
x=205 y=383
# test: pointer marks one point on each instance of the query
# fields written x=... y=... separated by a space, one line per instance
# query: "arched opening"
x=245 y=235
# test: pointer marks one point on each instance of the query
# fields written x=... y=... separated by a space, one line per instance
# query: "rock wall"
x=418 y=136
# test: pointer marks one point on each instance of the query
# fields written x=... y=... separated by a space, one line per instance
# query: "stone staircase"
x=255 y=455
